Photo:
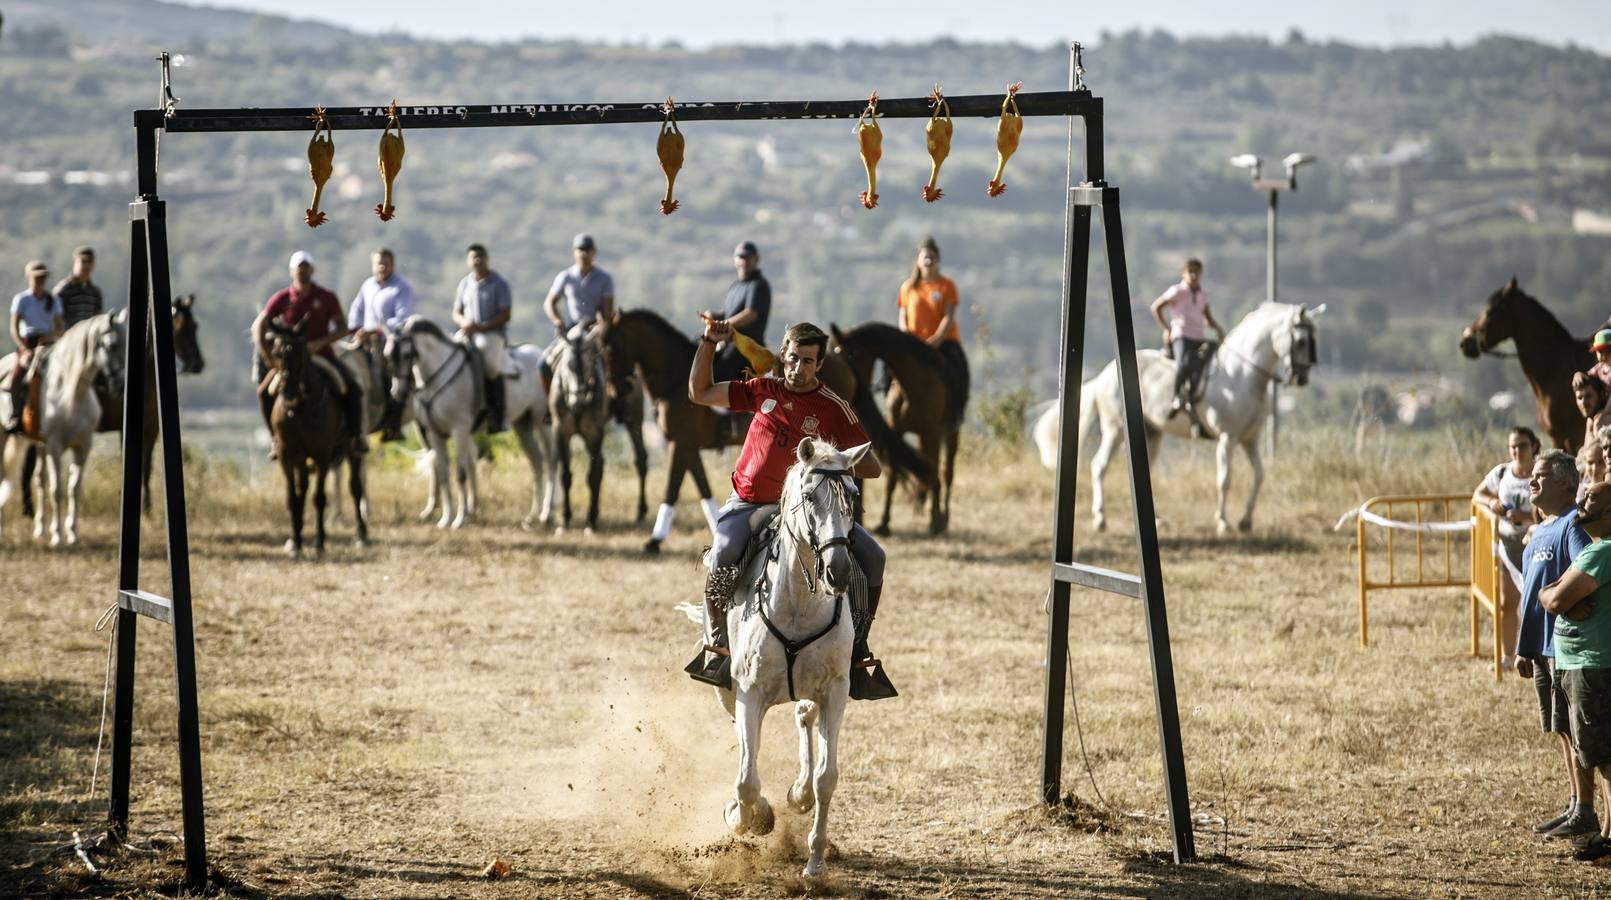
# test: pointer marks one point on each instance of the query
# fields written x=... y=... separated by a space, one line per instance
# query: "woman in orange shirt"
x=928 y=310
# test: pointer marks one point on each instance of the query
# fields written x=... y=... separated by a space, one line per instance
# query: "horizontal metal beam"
x=149 y=605
x=1099 y=578
x=1044 y=103
x=1088 y=194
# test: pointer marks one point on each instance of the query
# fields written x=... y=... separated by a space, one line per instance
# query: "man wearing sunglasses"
x=1581 y=602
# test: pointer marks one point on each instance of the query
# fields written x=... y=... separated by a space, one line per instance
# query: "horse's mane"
x=1544 y=318
x=656 y=321
x=894 y=339
x=1252 y=326
x=76 y=350
x=422 y=325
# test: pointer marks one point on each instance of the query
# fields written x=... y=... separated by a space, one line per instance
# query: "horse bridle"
x=819 y=550
x=406 y=357
x=1304 y=337
x=792 y=647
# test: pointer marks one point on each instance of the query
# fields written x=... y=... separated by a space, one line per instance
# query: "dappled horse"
x=578 y=403
x=306 y=426
x=921 y=400
x=1275 y=342
x=792 y=642
x=1548 y=353
x=435 y=375
x=109 y=391
x=68 y=414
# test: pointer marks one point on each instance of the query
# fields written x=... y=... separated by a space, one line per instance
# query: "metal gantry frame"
x=150 y=312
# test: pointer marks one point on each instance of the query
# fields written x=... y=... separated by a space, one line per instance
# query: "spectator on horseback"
x=928 y=305
x=481 y=310
x=746 y=308
x=384 y=301
x=1590 y=394
x=787 y=410
x=1187 y=306
x=582 y=294
x=1601 y=348
x=1504 y=492
x=36 y=321
x=80 y=297
x=319 y=314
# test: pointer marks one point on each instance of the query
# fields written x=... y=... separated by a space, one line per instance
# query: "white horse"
x=1275 y=342
x=69 y=414
x=792 y=644
x=442 y=394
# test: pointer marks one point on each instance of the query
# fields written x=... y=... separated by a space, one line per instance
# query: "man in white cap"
x=323 y=323
x=36 y=321
x=581 y=294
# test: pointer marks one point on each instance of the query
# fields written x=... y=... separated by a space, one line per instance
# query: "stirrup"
x=868 y=681
x=716 y=672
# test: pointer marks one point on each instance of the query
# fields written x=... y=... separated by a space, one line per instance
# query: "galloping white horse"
x=69 y=413
x=442 y=396
x=1275 y=342
x=793 y=643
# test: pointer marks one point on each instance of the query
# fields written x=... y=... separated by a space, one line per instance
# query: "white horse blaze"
x=1235 y=404
x=822 y=668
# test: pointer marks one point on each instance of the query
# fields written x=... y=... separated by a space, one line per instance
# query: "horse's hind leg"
x=640 y=462
x=1099 y=467
x=57 y=494
x=889 y=500
x=75 y=492
x=1222 y=481
x=933 y=447
x=951 y=441
x=802 y=794
x=294 y=496
x=336 y=513
x=464 y=472
x=524 y=433
x=827 y=773
x=562 y=453
x=356 y=475
x=748 y=812
x=595 y=480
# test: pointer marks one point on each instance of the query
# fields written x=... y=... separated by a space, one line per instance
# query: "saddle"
x=271 y=384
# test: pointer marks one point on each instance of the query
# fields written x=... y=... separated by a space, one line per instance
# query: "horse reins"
x=793 y=648
x=1292 y=368
x=462 y=354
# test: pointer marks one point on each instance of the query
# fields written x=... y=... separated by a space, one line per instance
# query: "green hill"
x=1467 y=164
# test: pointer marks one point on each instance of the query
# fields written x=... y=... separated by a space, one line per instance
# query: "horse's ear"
x=856 y=454
x=838 y=336
x=1317 y=311
x=184 y=302
x=806 y=450
x=1512 y=286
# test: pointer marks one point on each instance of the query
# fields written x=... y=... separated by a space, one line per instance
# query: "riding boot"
x=495 y=404
x=717 y=669
x=265 y=402
x=867 y=678
x=391 y=420
x=19 y=399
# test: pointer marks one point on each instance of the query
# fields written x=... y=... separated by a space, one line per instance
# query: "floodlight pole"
x=1273 y=187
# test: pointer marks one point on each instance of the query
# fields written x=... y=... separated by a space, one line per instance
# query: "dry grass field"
x=385 y=722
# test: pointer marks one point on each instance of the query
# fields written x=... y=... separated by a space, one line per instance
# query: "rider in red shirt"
x=323 y=323
x=787 y=410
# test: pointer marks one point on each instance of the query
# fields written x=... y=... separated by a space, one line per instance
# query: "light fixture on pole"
x=1273 y=187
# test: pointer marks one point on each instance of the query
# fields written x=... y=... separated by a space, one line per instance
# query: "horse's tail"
x=903 y=459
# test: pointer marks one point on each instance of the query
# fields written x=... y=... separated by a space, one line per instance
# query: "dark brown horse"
x=1548 y=353
x=641 y=341
x=187 y=349
x=919 y=401
x=306 y=425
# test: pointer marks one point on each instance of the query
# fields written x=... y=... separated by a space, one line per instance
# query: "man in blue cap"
x=582 y=293
x=746 y=309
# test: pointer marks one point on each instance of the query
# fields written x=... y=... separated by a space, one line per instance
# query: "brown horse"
x=641 y=341
x=919 y=401
x=187 y=349
x=1548 y=353
x=306 y=424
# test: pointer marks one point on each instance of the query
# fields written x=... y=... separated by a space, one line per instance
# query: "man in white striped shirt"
x=384 y=302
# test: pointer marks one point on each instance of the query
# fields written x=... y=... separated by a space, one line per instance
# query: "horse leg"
x=1256 y=463
x=595 y=480
x=889 y=500
x=528 y=446
x=320 y=471
x=640 y=461
x=293 y=502
x=951 y=441
x=441 y=460
x=802 y=795
x=677 y=468
x=562 y=451
x=932 y=446
x=544 y=433
x=1222 y=481
x=464 y=473
x=30 y=461
x=1099 y=467
x=748 y=812
x=827 y=774
x=75 y=492
x=360 y=501
x=335 y=499
x=43 y=494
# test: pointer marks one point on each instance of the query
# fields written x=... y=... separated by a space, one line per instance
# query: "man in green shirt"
x=1581 y=600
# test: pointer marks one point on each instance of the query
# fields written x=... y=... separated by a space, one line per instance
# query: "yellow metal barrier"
x=1436 y=563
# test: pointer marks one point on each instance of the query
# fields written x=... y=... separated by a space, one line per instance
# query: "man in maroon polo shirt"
x=323 y=323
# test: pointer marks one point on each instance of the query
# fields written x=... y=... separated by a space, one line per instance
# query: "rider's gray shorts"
x=733 y=533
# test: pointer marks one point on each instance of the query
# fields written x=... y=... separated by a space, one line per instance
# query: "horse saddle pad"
x=320 y=363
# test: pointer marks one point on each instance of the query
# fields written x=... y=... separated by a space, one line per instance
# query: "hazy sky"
x=1039 y=22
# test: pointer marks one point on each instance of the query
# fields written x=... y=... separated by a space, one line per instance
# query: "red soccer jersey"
x=318 y=307
x=782 y=419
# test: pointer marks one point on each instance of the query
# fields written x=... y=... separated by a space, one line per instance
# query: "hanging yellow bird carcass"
x=938 y=135
x=321 y=162
x=390 y=161
x=1008 y=130
x=669 y=148
x=871 y=140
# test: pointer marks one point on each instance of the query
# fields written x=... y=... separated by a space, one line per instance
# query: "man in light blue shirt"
x=581 y=294
x=36 y=320
x=384 y=302
x=481 y=310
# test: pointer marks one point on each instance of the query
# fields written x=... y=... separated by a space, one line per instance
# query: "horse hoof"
x=588 y=531
x=1099 y=523
x=801 y=798
x=813 y=868
x=1244 y=526
x=763 y=820
x=559 y=531
x=882 y=530
x=734 y=814
x=651 y=547
x=71 y=538
x=361 y=543
x=55 y=540
x=1222 y=528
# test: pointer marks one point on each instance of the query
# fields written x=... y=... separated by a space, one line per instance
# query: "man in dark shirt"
x=746 y=309
x=80 y=297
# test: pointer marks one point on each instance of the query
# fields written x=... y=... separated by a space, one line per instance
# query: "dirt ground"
x=388 y=721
